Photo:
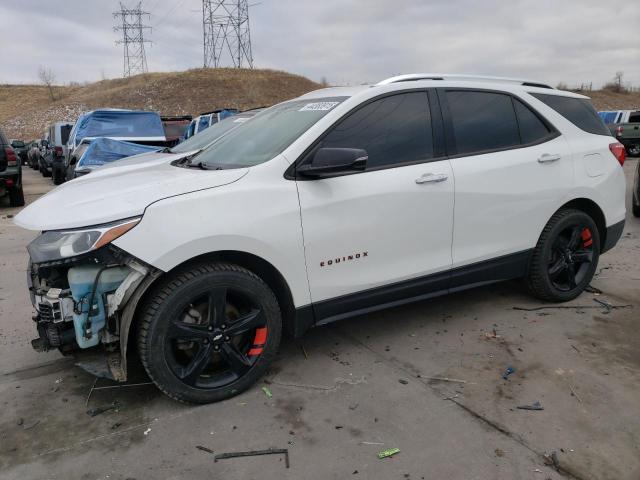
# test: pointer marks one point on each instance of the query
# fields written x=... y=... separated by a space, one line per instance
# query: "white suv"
x=334 y=204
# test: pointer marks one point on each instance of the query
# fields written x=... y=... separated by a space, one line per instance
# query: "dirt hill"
x=25 y=110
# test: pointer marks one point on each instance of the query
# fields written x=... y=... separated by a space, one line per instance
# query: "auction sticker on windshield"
x=318 y=106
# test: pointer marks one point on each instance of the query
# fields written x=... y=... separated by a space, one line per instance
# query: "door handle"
x=548 y=158
x=431 y=178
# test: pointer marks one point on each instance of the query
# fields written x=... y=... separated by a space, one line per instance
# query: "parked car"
x=337 y=203
x=135 y=126
x=33 y=154
x=625 y=126
x=205 y=120
x=175 y=128
x=113 y=153
x=57 y=138
x=20 y=148
x=10 y=173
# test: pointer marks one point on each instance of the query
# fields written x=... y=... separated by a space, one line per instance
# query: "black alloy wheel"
x=571 y=257
x=565 y=258
x=209 y=332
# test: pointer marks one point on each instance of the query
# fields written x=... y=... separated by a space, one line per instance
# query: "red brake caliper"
x=587 y=241
x=258 y=342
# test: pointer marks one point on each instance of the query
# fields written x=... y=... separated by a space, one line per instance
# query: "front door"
x=379 y=236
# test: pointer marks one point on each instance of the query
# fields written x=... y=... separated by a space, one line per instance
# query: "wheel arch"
x=592 y=209
x=293 y=324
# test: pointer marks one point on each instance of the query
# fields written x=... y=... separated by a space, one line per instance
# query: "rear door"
x=512 y=170
x=382 y=235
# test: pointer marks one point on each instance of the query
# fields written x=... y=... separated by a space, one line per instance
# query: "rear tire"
x=209 y=332
x=16 y=197
x=565 y=258
x=636 y=210
x=58 y=177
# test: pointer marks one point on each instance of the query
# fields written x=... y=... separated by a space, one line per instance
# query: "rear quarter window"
x=634 y=117
x=578 y=111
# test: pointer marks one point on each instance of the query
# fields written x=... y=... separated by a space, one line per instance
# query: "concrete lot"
x=349 y=390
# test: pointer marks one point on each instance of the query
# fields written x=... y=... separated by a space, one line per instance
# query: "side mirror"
x=329 y=161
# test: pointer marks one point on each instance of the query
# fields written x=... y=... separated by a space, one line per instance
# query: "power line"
x=226 y=34
x=133 y=41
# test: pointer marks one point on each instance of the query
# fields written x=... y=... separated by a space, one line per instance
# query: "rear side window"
x=482 y=121
x=65 y=130
x=634 y=117
x=578 y=111
x=532 y=129
x=393 y=130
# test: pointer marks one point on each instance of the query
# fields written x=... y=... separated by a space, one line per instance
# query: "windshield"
x=268 y=134
x=211 y=134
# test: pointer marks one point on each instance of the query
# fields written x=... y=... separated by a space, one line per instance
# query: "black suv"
x=10 y=173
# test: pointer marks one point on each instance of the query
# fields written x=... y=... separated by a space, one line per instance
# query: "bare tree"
x=618 y=80
x=47 y=77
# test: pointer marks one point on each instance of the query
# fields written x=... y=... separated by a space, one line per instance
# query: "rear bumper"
x=613 y=234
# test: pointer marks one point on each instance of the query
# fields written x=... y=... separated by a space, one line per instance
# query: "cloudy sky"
x=344 y=41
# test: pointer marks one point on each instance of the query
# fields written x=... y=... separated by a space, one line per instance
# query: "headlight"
x=59 y=244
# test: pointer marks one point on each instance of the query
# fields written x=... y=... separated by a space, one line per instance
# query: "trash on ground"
x=403 y=381
x=94 y=412
x=388 y=453
x=492 y=334
x=267 y=392
x=204 y=449
x=146 y=432
x=445 y=379
x=499 y=452
x=591 y=289
x=534 y=406
x=254 y=453
x=508 y=372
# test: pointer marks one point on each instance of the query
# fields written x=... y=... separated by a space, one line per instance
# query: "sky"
x=342 y=41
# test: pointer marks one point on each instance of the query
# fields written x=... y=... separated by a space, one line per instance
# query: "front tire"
x=565 y=258
x=209 y=332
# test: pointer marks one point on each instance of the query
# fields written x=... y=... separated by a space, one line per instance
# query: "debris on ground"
x=574 y=307
x=508 y=372
x=403 y=381
x=573 y=393
x=591 y=289
x=499 y=452
x=204 y=449
x=254 y=453
x=267 y=392
x=388 y=453
x=94 y=412
x=20 y=421
x=534 y=406
x=491 y=335
x=146 y=432
x=304 y=352
x=445 y=379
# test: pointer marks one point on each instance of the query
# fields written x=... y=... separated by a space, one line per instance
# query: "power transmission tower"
x=133 y=30
x=225 y=24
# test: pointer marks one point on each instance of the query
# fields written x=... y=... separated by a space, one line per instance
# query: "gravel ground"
x=425 y=378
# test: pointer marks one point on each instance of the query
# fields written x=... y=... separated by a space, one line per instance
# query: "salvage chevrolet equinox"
x=334 y=204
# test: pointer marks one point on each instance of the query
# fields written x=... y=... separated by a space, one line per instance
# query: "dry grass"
x=25 y=110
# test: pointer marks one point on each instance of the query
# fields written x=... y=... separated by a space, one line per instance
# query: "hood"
x=121 y=190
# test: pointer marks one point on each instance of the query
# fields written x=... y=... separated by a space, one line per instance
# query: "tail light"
x=57 y=151
x=619 y=152
x=619 y=130
x=12 y=159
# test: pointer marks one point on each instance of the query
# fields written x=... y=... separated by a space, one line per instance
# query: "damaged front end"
x=85 y=290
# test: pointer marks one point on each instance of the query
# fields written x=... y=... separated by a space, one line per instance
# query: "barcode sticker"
x=318 y=106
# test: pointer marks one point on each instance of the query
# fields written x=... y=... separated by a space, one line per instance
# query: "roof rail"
x=413 y=77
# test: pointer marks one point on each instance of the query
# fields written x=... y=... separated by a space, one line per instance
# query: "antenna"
x=225 y=26
x=135 y=59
